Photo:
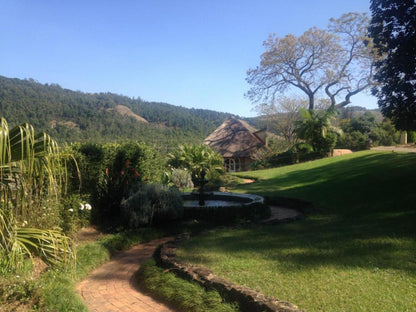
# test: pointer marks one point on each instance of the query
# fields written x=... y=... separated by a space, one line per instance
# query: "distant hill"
x=70 y=116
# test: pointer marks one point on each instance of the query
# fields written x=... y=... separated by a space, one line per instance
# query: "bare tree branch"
x=333 y=62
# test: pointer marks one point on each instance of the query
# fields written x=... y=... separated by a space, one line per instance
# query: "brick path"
x=111 y=288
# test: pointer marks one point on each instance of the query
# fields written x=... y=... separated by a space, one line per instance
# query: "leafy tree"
x=337 y=62
x=280 y=117
x=364 y=131
x=393 y=28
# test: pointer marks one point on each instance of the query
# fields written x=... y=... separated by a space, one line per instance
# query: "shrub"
x=411 y=137
x=151 y=204
x=75 y=214
x=109 y=171
x=355 y=141
x=179 y=178
x=364 y=131
x=300 y=152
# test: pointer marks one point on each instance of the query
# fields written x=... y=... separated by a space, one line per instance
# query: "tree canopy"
x=393 y=28
x=336 y=63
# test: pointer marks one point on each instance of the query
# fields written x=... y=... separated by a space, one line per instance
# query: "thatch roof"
x=236 y=138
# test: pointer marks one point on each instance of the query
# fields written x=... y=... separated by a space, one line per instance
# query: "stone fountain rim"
x=254 y=198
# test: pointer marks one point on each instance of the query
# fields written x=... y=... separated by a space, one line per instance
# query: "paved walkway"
x=111 y=288
x=281 y=214
x=399 y=148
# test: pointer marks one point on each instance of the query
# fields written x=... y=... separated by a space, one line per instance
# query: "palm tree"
x=31 y=172
x=196 y=159
x=316 y=129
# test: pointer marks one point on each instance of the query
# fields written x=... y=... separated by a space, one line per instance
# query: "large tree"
x=280 y=117
x=336 y=63
x=393 y=28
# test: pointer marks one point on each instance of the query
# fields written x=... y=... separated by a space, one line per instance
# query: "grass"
x=181 y=294
x=54 y=290
x=58 y=289
x=358 y=254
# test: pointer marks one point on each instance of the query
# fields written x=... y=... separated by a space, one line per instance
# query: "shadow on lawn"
x=368 y=220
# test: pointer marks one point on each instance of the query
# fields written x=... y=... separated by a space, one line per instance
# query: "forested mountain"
x=70 y=116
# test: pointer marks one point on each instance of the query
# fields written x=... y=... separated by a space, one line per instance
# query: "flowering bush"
x=109 y=171
x=75 y=214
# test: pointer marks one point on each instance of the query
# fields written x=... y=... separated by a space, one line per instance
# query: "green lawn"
x=358 y=254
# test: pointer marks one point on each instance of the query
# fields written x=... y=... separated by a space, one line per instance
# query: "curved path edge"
x=111 y=287
x=249 y=300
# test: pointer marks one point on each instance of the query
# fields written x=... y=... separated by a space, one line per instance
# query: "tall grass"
x=358 y=254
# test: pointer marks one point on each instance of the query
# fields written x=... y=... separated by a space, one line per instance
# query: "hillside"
x=101 y=117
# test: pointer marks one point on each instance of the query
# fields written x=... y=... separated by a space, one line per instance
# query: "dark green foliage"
x=411 y=137
x=76 y=116
x=300 y=152
x=355 y=141
x=150 y=204
x=316 y=129
x=198 y=159
x=108 y=173
x=364 y=131
x=393 y=28
x=75 y=214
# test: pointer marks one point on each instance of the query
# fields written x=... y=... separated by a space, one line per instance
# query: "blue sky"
x=182 y=52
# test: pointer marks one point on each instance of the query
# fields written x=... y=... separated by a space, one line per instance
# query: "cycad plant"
x=31 y=176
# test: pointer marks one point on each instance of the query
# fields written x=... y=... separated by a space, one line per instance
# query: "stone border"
x=248 y=299
x=228 y=195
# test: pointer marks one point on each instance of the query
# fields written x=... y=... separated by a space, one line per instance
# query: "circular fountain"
x=223 y=206
x=219 y=199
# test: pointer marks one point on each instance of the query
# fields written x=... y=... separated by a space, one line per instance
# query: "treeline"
x=70 y=116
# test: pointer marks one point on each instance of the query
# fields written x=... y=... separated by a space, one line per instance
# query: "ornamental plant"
x=32 y=172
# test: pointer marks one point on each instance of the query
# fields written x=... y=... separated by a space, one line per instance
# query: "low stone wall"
x=249 y=300
x=340 y=152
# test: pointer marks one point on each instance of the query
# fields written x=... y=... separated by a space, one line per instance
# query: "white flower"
x=71 y=210
x=88 y=206
x=82 y=207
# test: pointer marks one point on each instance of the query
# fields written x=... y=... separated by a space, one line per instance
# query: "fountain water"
x=203 y=198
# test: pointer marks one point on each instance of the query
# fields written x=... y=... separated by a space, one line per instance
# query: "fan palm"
x=31 y=171
x=197 y=158
x=316 y=129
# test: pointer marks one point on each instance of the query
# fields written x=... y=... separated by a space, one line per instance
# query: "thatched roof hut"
x=236 y=141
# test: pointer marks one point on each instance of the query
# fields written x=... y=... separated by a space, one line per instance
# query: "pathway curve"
x=111 y=287
x=399 y=148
